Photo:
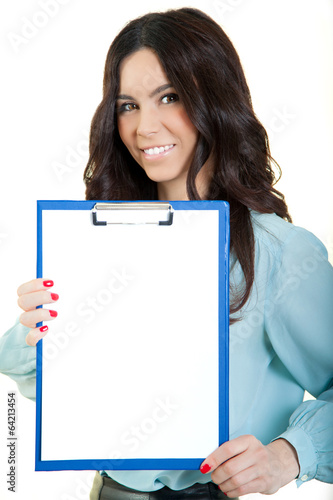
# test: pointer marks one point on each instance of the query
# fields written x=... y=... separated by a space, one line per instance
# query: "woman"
x=176 y=122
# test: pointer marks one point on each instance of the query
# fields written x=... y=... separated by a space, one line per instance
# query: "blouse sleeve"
x=299 y=323
x=18 y=360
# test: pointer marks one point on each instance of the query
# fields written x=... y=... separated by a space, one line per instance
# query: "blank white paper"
x=130 y=365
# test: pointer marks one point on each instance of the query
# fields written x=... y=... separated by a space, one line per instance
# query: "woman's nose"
x=149 y=122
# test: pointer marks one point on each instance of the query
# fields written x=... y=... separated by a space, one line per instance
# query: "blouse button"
x=304 y=478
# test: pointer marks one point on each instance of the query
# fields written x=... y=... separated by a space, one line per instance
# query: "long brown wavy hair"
x=204 y=68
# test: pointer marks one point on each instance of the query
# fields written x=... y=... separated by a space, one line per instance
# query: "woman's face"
x=154 y=125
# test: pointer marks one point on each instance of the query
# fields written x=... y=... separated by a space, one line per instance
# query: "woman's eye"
x=127 y=106
x=167 y=99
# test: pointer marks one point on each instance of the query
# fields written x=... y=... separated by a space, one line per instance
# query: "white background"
x=51 y=84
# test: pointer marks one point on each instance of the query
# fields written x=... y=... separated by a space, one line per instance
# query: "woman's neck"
x=167 y=191
x=176 y=189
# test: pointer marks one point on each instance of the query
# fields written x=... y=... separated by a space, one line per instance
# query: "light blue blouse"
x=282 y=346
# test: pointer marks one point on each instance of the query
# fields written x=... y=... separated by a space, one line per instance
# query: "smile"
x=158 y=150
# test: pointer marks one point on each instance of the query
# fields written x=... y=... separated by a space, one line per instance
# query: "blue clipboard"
x=138 y=356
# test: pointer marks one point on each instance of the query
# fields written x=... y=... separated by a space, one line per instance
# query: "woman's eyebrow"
x=152 y=94
x=160 y=89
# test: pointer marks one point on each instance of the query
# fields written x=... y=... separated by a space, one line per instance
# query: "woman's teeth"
x=156 y=151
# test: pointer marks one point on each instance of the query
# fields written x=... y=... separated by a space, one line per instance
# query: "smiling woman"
x=176 y=122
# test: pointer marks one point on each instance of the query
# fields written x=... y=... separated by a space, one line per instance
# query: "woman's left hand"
x=244 y=465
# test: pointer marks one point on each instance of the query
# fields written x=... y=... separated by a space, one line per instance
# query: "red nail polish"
x=54 y=296
x=48 y=283
x=53 y=314
x=205 y=468
x=43 y=328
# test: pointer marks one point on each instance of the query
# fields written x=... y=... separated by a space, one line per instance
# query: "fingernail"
x=205 y=468
x=54 y=314
x=43 y=328
x=48 y=283
x=54 y=296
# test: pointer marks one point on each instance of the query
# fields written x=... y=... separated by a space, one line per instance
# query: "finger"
x=35 y=335
x=31 y=300
x=230 y=468
x=256 y=486
x=34 y=286
x=239 y=481
x=31 y=318
x=226 y=451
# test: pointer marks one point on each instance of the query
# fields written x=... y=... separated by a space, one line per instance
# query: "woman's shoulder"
x=280 y=236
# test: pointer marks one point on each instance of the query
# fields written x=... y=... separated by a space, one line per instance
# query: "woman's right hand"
x=31 y=295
